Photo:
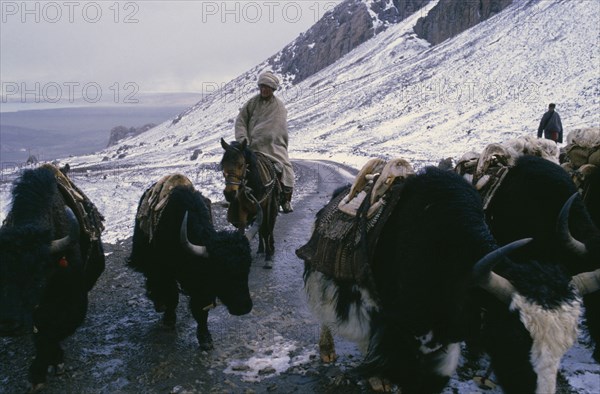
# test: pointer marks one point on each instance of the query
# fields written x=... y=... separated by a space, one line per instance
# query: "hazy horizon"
x=117 y=51
x=146 y=100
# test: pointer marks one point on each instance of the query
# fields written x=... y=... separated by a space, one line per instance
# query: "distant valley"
x=54 y=133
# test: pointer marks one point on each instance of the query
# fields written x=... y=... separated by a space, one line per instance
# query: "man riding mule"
x=262 y=123
x=251 y=182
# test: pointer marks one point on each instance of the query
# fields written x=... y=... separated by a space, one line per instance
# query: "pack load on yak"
x=389 y=266
x=51 y=256
x=582 y=161
x=486 y=170
x=343 y=242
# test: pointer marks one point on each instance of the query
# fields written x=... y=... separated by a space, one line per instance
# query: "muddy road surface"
x=122 y=347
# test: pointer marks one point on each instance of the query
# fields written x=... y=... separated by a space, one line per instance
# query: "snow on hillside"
x=397 y=96
x=393 y=96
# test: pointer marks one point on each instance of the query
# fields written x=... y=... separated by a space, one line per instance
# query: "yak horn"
x=59 y=245
x=562 y=227
x=499 y=287
x=257 y=221
x=587 y=282
x=196 y=250
x=496 y=284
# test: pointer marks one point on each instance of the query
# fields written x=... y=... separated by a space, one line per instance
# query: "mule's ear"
x=224 y=144
x=244 y=143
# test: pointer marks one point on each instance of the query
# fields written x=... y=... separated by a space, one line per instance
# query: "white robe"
x=263 y=123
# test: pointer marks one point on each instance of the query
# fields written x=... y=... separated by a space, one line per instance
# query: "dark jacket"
x=551 y=123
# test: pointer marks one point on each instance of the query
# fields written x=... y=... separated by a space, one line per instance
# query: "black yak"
x=48 y=264
x=176 y=246
x=410 y=317
x=538 y=199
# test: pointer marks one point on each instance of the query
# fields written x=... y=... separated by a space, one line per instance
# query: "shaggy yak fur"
x=411 y=322
x=44 y=289
x=168 y=267
x=527 y=341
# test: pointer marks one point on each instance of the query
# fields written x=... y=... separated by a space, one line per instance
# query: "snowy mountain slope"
x=396 y=95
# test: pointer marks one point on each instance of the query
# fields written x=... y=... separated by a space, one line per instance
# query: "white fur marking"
x=448 y=360
x=322 y=299
x=553 y=333
x=426 y=345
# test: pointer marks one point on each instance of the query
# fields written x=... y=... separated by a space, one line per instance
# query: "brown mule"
x=250 y=178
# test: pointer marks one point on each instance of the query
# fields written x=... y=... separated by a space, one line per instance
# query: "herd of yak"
x=499 y=253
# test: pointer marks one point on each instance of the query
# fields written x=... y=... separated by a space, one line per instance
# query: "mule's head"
x=234 y=168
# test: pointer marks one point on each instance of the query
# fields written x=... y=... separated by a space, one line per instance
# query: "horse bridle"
x=236 y=180
x=240 y=181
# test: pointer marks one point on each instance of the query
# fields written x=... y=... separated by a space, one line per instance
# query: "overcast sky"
x=158 y=46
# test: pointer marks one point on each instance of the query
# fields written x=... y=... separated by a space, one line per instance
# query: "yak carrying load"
x=526 y=193
x=486 y=170
x=389 y=266
x=51 y=256
x=343 y=242
x=582 y=162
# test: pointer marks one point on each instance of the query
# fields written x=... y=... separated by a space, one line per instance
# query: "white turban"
x=269 y=79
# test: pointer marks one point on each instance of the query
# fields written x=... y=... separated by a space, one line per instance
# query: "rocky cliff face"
x=451 y=17
x=120 y=132
x=342 y=29
x=353 y=22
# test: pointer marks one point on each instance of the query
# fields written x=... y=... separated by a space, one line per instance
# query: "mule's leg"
x=327 y=345
x=269 y=228
x=264 y=235
x=271 y=245
x=200 y=313
x=261 y=244
x=269 y=252
x=270 y=248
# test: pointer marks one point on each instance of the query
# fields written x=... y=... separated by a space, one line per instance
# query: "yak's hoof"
x=484 y=382
x=58 y=369
x=268 y=264
x=37 y=376
x=169 y=319
x=205 y=341
x=287 y=207
x=328 y=357
x=160 y=307
x=36 y=387
x=380 y=384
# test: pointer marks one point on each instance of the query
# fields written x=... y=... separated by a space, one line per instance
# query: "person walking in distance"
x=262 y=122
x=551 y=125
